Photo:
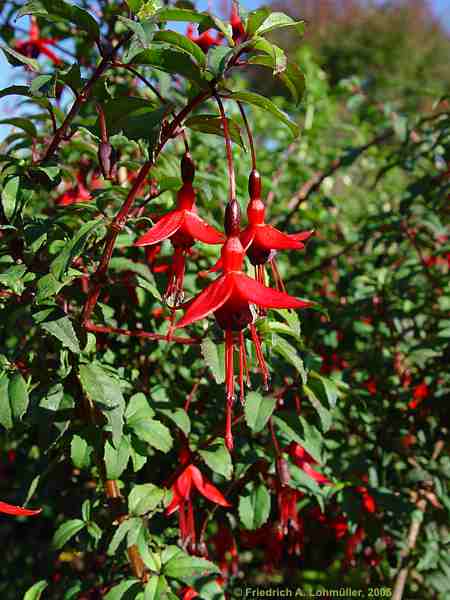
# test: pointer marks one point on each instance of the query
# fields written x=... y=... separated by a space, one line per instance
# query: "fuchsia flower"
x=421 y=392
x=237 y=25
x=368 y=501
x=226 y=551
x=17 y=511
x=189 y=480
x=304 y=460
x=79 y=192
x=35 y=45
x=182 y=227
x=231 y=298
x=261 y=241
x=206 y=39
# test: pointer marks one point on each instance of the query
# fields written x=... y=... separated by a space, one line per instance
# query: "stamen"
x=229 y=375
x=260 y=357
x=279 y=283
x=242 y=365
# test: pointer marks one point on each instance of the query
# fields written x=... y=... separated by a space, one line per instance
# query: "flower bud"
x=254 y=184
x=106 y=159
x=232 y=218
x=187 y=168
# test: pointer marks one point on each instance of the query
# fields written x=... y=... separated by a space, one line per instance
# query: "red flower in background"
x=79 y=192
x=231 y=298
x=304 y=460
x=17 y=511
x=352 y=544
x=226 y=551
x=182 y=226
x=188 y=593
x=35 y=45
x=237 y=25
x=187 y=482
x=421 y=392
x=367 y=499
x=206 y=39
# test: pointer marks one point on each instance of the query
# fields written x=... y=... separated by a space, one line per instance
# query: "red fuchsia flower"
x=189 y=480
x=421 y=392
x=371 y=387
x=291 y=524
x=261 y=241
x=368 y=501
x=351 y=546
x=17 y=511
x=304 y=460
x=226 y=551
x=182 y=227
x=79 y=192
x=35 y=45
x=188 y=593
x=231 y=298
x=267 y=538
x=206 y=39
x=239 y=34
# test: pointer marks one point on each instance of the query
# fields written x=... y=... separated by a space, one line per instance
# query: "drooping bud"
x=232 y=218
x=283 y=470
x=254 y=184
x=187 y=168
x=106 y=159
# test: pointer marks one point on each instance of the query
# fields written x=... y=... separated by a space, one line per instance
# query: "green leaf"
x=44 y=85
x=35 y=591
x=55 y=321
x=9 y=196
x=144 y=499
x=288 y=352
x=214 y=125
x=18 y=396
x=178 y=40
x=116 y=459
x=66 y=531
x=256 y=18
x=120 y=533
x=104 y=390
x=218 y=59
x=218 y=460
x=137 y=118
x=300 y=479
x=258 y=409
x=21 y=123
x=118 y=591
x=289 y=74
x=60 y=10
x=324 y=414
x=153 y=432
x=73 y=248
x=267 y=105
x=278 y=20
x=177 y=416
x=5 y=406
x=186 y=568
x=18 y=60
x=170 y=61
x=157 y=589
x=214 y=356
x=254 y=506
x=15 y=90
x=296 y=429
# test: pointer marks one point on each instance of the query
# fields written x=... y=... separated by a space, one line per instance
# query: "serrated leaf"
x=102 y=389
x=254 y=507
x=116 y=459
x=9 y=196
x=186 y=568
x=258 y=409
x=218 y=460
x=267 y=105
x=173 y=38
x=55 y=321
x=179 y=417
x=214 y=356
x=144 y=498
x=278 y=20
x=66 y=531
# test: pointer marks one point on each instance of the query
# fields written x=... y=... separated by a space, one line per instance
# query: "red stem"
x=231 y=175
x=249 y=135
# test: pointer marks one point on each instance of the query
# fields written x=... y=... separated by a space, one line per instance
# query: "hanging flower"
x=304 y=460
x=79 y=192
x=261 y=241
x=182 y=227
x=226 y=551
x=237 y=26
x=35 y=45
x=420 y=393
x=189 y=480
x=17 y=511
x=231 y=299
x=206 y=39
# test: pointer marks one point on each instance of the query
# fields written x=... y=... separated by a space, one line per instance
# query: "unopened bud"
x=106 y=159
x=254 y=184
x=187 y=168
x=283 y=471
x=232 y=218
